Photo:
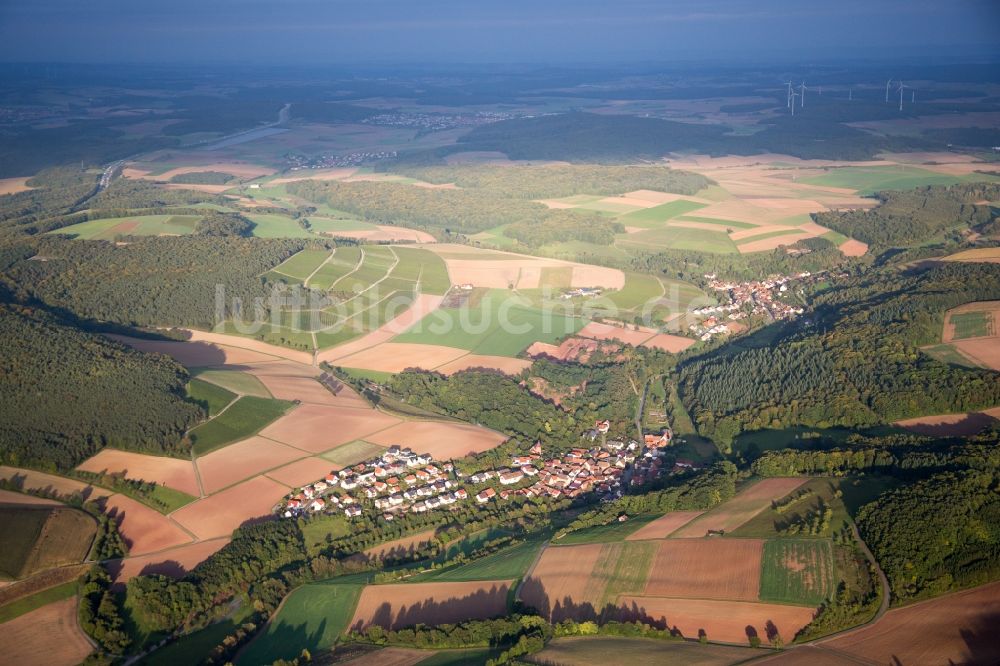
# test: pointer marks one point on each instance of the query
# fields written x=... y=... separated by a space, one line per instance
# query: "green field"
x=624 y=566
x=277 y=226
x=639 y=289
x=946 y=353
x=508 y=564
x=233 y=380
x=374 y=375
x=211 y=397
x=612 y=532
x=649 y=218
x=21 y=528
x=797 y=571
x=770 y=234
x=192 y=648
x=678 y=238
x=318 y=529
x=725 y=224
x=301 y=264
x=352 y=452
x=311 y=617
x=480 y=328
x=867 y=180
x=330 y=225
x=835 y=237
x=141 y=225
x=244 y=418
x=972 y=324
x=35 y=601
x=605 y=650
x=471 y=657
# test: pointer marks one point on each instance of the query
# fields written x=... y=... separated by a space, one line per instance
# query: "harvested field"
x=391 y=656
x=725 y=621
x=707 y=569
x=989 y=255
x=317 y=428
x=301 y=472
x=560 y=582
x=386 y=234
x=174 y=562
x=402 y=605
x=249 y=344
x=400 y=547
x=498 y=270
x=14 y=185
x=195 y=354
x=505 y=364
x=238 y=169
x=772 y=242
x=605 y=650
x=291 y=381
x=32 y=480
x=441 y=440
x=952 y=425
x=957 y=628
x=144 y=529
x=853 y=248
x=741 y=508
x=808 y=655
x=398 y=356
x=669 y=343
x=9 y=497
x=663 y=526
x=420 y=308
x=223 y=512
x=47 y=636
x=599 y=331
x=164 y=471
x=39 y=538
x=242 y=460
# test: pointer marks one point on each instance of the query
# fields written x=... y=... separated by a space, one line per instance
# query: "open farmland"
x=144 y=530
x=301 y=472
x=50 y=483
x=500 y=270
x=37 y=538
x=241 y=383
x=958 y=628
x=510 y=563
x=402 y=605
x=46 y=636
x=664 y=526
x=707 y=569
x=145 y=225
x=442 y=440
x=797 y=571
x=242 y=460
x=164 y=471
x=243 y=418
x=221 y=513
x=318 y=428
x=172 y=562
x=604 y=650
x=724 y=621
x=737 y=511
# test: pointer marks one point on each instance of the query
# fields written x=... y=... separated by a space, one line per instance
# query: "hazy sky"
x=389 y=31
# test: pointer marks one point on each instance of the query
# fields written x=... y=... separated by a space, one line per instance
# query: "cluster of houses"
x=759 y=297
x=581 y=292
x=298 y=161
x=401 y=481
x=435 y=122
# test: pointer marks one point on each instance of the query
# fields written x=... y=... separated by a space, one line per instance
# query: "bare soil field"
x=605 y=650
x=33 y=480
x=144 y=529
x=725 y=621
x=392 y=656
x=14 y=185
x=560 y=581
x=292 y=381
x=494 y=269
x=301 y=472
x=663 y=526
x=507 y=365
x=599 y=331
x=808 y=655
x=305 y=358
x=317 y=428
x=338 y=173
x=570 y=349
x=238 y=169
x=852 y=248
x=398 y=356
x=707 y=569
x=741 y=508
x=991 y=307
x=958 y=628
x=420 y=308
x=195 y=354
x=989 y=255
x=400 y=547
x=441 y=440
x=395 y=606
x=952 y=425
x=169 y=472
x=9 y=497
x=174 y=562
x=47 y=636
x=220 y=514
x=669 y=343
x=984 y=351
x=242 y=460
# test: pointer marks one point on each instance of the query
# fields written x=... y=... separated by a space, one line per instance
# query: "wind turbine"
x=850 y=94
x=901 y=87
x=792 y=100
x=887 y=84
x=788 y=96
x=802 y=94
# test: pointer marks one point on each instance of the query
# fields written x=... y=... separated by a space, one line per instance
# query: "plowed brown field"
x=402 y=605
x=169 y=472
x=236 y=462
x=220 y=514
x=741 y=508
x=47 y=636
x=663 y=526
x=441 y=440
x=707 y=569
x=318 y=428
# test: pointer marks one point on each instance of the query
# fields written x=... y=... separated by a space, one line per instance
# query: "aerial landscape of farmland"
x=563 y=334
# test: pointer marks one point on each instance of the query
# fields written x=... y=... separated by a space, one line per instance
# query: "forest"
x=913 y=217
x=854 y=362
x=75 y=377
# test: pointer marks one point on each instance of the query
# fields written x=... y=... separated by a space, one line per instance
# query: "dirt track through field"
x=242 y=460
x=741 y=508
x=402 y=605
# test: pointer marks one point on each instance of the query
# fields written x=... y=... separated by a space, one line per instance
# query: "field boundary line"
x=531 y=569
x=321 y=265
x=361 y=260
